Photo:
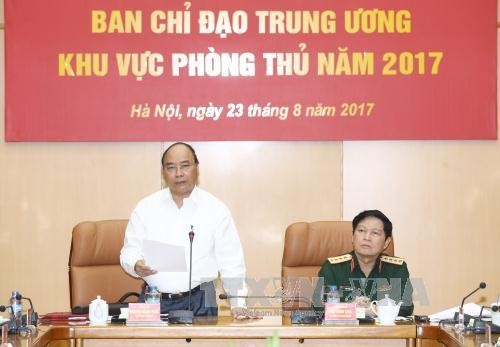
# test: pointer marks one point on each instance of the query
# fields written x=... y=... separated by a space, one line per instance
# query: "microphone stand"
x=31 y=315
x=185 y=316
x=191 y=237
x=459 y=316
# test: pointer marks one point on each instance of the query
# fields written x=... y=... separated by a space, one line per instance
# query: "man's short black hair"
x=175 y=144
x=376 y=214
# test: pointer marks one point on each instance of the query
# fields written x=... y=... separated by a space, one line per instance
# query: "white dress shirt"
x=216 y=245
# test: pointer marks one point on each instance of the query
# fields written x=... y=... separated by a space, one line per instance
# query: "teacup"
x=98 y=311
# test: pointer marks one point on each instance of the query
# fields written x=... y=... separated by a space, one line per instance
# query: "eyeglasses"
x=183 y=167
x=372 y=232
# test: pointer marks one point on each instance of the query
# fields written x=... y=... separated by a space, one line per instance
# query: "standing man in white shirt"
x=168 y=216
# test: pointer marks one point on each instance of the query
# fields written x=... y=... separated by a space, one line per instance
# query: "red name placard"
x=340 y=312
x=140 y=312
x=88 y=70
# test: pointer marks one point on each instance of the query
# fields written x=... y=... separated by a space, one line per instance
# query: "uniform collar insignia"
x=340 y=259
x=391 y=260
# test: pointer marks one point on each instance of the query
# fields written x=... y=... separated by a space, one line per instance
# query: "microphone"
x=3 y=308
x=479 y=326
x=191 y=237
x=482 y=285
x=31 y=317
x=11 y=325
x=185 y=316
x=459 y=317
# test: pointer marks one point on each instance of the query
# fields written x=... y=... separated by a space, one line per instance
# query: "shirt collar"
x=194 y=197
x=355 y=263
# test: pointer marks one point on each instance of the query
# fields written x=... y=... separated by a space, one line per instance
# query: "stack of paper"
x=471 y=309
x=66 y=318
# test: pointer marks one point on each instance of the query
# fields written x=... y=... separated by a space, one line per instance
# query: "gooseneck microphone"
x=3 y=308
x=460 y=318
x=185 y=316
x=25 y=298
x=191 y=237
x=482 y=285
x=31 y=316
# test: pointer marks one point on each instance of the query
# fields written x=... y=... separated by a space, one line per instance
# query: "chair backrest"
x=94 y=263
x=307 y=246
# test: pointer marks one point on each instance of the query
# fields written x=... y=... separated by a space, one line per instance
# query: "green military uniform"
x=389 y=276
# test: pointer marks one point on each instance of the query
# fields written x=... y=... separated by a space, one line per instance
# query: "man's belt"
x=170 y=296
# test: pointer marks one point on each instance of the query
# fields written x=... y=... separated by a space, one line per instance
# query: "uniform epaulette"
x=392 y=260
x=340 y=258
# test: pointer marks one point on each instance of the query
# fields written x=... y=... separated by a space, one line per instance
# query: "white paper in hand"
x=164 y=257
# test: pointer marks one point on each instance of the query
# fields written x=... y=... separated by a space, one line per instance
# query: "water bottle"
x=152 y=295
x=332 y=295
x=17 y=310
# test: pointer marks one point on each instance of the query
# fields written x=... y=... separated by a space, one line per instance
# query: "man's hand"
x=363 y=301
x=241 y=313
x=143 y=270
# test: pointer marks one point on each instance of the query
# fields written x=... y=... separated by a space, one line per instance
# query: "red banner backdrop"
x=128 y=70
